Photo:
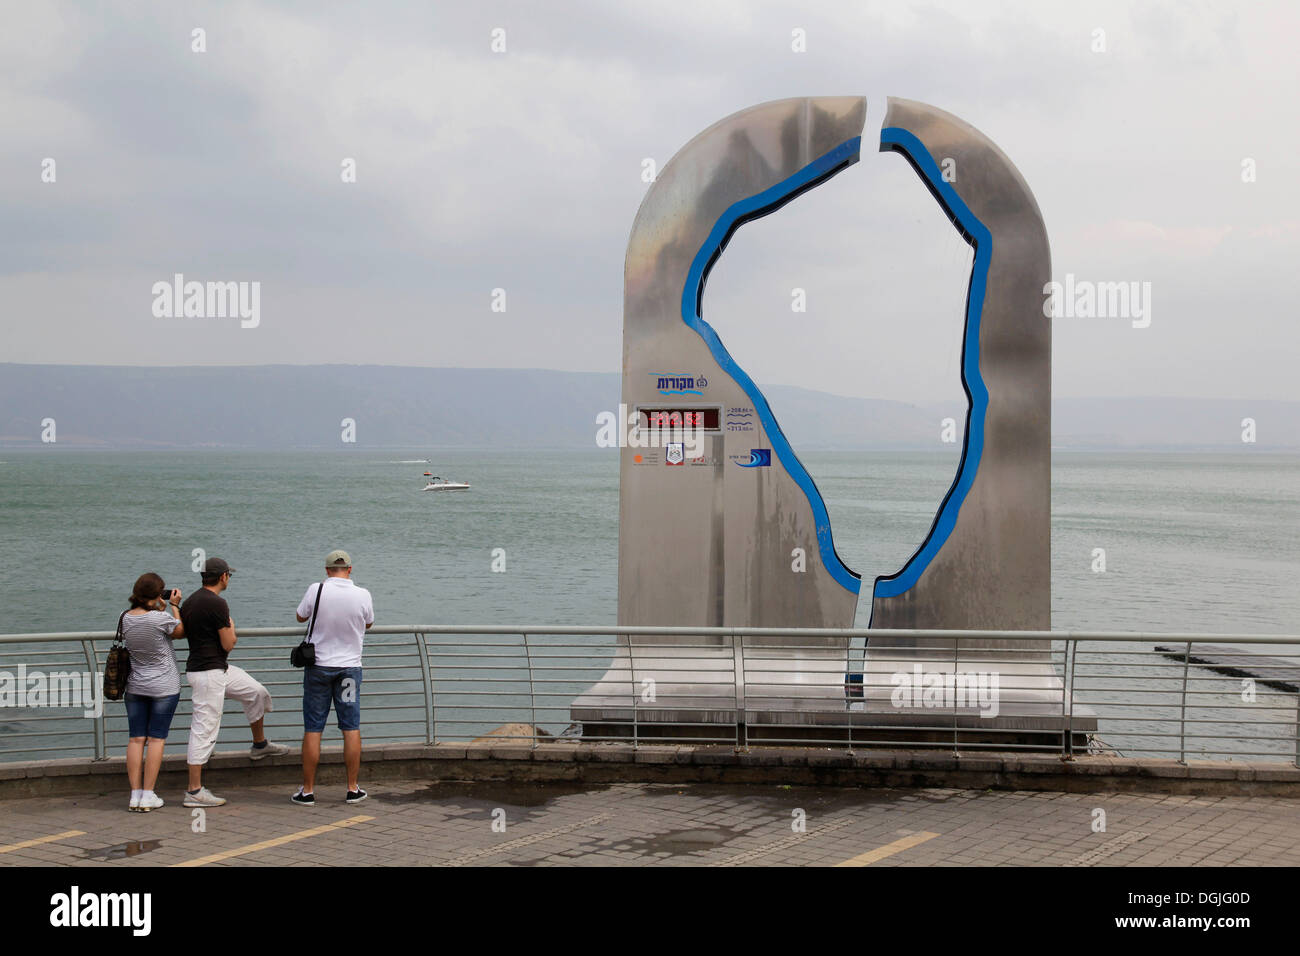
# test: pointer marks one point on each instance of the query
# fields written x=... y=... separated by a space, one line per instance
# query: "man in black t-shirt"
x=209 y=614
x=211 y=635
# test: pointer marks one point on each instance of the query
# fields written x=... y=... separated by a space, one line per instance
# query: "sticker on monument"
x=740 y=419
x=758 y=458
x=674 y=454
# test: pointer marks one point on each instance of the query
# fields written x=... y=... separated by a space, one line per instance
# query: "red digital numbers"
x=676 y=420
x=680 y=418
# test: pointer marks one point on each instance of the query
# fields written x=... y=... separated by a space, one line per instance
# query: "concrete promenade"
x=603 y=804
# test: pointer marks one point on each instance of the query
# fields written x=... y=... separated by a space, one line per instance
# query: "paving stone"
x=623 y=824
x=447 y=752
x=1165 y=768
x=1284 y=774
x=511 y=752
x=554 y=754
x=607 y=753
x=656 y=755
x=709 y=756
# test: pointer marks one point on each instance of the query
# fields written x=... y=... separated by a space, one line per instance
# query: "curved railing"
x=742 y=686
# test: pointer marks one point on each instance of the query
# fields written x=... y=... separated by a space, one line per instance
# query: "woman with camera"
x=153 y=687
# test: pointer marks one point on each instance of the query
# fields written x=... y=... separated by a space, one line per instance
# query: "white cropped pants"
x=210 y=689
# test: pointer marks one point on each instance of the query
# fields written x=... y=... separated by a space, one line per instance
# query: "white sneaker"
x=151 y=801
x=204 y=798
x=270 y=750
x=135 y=804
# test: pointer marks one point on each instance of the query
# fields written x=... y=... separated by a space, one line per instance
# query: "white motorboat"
x=442 y=484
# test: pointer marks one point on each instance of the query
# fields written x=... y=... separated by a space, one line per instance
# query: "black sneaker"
x=356 y=796
x=304 y=799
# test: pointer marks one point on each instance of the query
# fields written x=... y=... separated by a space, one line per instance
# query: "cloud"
x=521 y=170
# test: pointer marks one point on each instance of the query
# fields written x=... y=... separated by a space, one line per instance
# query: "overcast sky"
x=521 y=170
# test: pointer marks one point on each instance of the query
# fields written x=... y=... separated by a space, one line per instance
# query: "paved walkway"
x=629 y=824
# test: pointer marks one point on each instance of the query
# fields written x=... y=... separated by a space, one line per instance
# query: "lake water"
x=1203 y=543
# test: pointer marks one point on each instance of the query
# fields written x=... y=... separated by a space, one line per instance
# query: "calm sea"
x=1205 y=543
x=1192 y=542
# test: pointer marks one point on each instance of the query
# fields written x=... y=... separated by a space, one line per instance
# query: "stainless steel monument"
x=721 y=524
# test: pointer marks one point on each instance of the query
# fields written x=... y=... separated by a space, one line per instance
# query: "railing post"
x=738 y=696
x=848 y=700
x=1072 y=655
x=956 y=642
x=1297 y=730
x=532 y=695
x=631 y=666
x=1182 y=717
x=426 y=675
x=100 y=732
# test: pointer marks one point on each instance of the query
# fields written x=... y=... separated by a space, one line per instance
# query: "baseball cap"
x=338 y=559
x=217 y=566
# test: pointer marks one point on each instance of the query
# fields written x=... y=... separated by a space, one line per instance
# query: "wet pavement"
x=638 y=824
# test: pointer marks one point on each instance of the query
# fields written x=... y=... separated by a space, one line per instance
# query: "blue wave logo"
x=758 y=458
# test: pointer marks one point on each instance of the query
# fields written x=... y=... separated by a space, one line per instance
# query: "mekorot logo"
x=669 y=384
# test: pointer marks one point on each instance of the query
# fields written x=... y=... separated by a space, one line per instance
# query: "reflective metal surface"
x=710 y=541
x=987 y=561
x=734 y=532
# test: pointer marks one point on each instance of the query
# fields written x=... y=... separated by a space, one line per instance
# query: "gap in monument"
x=862 y=379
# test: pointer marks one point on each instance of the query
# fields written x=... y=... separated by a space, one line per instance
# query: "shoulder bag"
x=304 y=655
x=118 y=666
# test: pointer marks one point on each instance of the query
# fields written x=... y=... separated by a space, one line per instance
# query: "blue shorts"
x=150 y=716
x=320 y=685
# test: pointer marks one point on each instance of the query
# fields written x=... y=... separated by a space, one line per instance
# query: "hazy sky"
x=521 y=170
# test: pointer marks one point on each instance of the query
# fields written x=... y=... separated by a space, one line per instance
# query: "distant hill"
x=299 y=407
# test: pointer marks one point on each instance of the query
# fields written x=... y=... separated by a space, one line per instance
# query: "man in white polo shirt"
x=342 y=612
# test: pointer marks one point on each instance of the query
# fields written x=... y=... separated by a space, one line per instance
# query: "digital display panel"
x=707 y=418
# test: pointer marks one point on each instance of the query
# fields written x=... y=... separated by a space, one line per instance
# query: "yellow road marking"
x=39 y=840
x=889 y=849
x=277 y=841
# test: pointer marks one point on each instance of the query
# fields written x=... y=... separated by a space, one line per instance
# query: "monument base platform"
x=975 y=699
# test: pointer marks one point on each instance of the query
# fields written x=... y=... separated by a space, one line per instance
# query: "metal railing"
x=1065 y=692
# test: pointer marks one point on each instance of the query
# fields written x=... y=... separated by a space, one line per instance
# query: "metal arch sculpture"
x=708 y=541
x=690 y=538
x=986 y=562
x=967 y=573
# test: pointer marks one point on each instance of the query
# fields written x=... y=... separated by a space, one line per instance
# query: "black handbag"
x=304 y=655
x=118 y=666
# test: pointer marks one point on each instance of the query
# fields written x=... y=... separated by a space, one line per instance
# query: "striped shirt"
x=153 y=662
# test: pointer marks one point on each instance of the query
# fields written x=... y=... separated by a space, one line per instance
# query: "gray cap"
x=217 y=566
x=338 y=559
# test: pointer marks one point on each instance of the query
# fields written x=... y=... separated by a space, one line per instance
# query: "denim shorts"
x=150 y=716
x=320 y=685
